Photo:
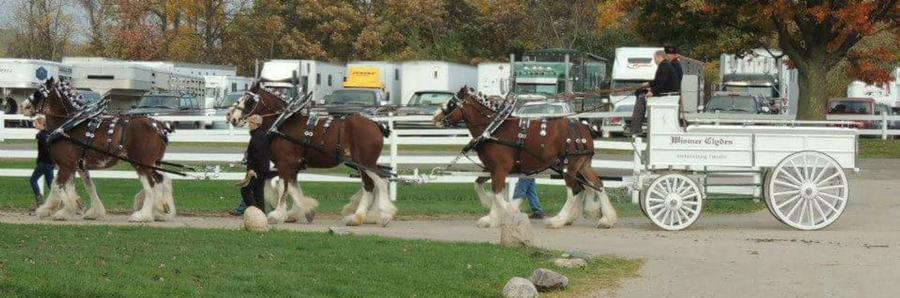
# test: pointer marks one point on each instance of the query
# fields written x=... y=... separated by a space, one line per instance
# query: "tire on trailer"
x=673 y=201
x=807 y=190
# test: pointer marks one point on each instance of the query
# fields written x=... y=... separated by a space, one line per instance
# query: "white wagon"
x=805 y=185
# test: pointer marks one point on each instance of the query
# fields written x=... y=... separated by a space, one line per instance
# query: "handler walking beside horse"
x=258 y=158
x=45 y=165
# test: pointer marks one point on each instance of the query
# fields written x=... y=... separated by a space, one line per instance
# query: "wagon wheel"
x=807 y=190
x=673 y=201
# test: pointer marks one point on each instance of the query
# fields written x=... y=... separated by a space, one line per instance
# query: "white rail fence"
x=456 y=137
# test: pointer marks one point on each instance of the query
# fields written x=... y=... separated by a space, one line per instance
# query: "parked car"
x=737 y=104
x=173 y=104
x=618 y=125
x=353 y=100
x=422 y=103
x=854 y=106
x=543 y=109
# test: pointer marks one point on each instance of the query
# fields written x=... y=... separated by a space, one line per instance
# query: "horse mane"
x=69 y=94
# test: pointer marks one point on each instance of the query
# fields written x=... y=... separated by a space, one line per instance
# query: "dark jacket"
x=676 y=65
x=665 y=80
x=258 y=153
x=43 y=148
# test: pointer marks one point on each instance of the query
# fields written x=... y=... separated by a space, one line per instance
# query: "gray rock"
x=518 y=287
x=570 y=263
x=548 y=280
x=515 y=230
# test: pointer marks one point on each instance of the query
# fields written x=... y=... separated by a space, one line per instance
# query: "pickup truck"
x=173 y=104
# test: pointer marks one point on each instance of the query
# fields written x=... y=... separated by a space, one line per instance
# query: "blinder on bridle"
x=449 y=108
x=249 y=97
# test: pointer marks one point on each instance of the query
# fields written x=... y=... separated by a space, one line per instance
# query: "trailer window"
x=318 y=79
x=329 y=80
x=396 y=74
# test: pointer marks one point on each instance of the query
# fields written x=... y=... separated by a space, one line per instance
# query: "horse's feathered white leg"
x=609 y=216
x=592 y=205
x=145 y=214
x=69 y=202
x=54 y=199
x=484 y=196
x=359 y=215
x=384 y=206
x=164 y=208
x=349 y=208
x=303 y=207
x=562 y=217
x=97 y=210
x=272 y=190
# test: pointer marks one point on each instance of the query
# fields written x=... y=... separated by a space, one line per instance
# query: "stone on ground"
x=548 y=280
x=570 y=263
x=515 y=230
x=518 y=287
x=255 y=220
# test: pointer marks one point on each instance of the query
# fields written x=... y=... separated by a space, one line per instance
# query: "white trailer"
x=321 y=78
x=390 y=77
x=494 y=78
x=435 y=76
x=219 y=86
x=760 y=73
x=886 y=94
x=19 y=78
x=126 y=81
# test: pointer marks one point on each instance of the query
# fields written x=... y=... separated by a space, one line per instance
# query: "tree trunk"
x=813 y=95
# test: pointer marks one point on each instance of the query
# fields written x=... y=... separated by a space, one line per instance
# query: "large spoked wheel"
x=672 y=201
x=808 y=190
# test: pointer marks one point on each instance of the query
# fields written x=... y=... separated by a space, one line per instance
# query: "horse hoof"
x=310 y=216
x=138 y=217
x=484 y=222
x=550 y=223
x=291 y=218
x=42 y=212
x=61 y=215
x=353 y=220
x=605 y=224
x=94 y=214
x=385 y=220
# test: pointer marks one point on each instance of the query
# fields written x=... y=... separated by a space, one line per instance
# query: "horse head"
x=49 y=99
x=450 y=113
x=256 y=101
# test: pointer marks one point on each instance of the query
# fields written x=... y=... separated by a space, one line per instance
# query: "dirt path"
x=720 y=256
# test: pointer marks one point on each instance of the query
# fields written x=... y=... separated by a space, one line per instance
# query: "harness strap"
x=311 y=123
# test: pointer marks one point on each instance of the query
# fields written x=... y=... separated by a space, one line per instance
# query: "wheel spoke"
x=778 y=206
x=789 y=192
x=829 y=187
x=789 y=176
x=819 y=209
x=656 y=214
x=788 y=216
x=665 y=214
x=690 y=203
x=829 y=205
x=783 y=183
x=794 y=167
x=687 y=209
x=686 y=217
x=842 y=199
x=836 y=174
x=658 y=193
x=825 y=168
x=802 y=211
x=671 y=218
x=649 y=199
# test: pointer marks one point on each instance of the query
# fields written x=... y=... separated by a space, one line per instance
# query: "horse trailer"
x=634 y=67
x=435 y=76
x=218 y=86
x=19 y=78
x=322 y=78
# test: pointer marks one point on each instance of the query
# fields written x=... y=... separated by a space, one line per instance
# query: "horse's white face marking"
x=235 y=113
x=27 y=108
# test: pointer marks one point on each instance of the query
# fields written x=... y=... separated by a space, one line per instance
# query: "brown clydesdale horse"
x=352 y=138
x=137 y=138
x=540 y=151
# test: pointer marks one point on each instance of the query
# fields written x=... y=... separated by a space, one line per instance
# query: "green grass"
x=72 y=261
x=877 y=148
x=414 y=201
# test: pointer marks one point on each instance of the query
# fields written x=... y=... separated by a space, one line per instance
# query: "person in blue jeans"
x=45 y=164
x=525 y=188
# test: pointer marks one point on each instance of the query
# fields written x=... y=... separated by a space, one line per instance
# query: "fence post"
x=636 y=171
x=884 y=126
x=2 y=125
x=394 y=153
